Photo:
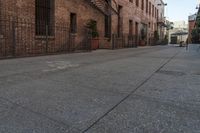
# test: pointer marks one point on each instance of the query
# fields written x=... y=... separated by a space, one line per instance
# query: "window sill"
x=75 y=33
x=44 y=37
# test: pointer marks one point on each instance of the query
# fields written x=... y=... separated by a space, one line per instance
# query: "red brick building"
x=32 y=20
x=142 y=17
x=29 y=27
x=191 y=23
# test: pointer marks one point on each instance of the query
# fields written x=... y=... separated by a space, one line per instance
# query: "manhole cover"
x=173 y=73
x=196 y=73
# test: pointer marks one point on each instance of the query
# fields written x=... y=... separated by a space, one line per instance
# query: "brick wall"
x=191 y=27
x=22 y=12
x=135 y=13
x=25 y=9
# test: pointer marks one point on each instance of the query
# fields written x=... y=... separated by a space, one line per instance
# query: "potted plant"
x=92 y=26
x=143 y=37
x=156 y=37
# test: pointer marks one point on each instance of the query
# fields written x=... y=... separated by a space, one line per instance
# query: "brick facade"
x=25 y=9
x=191 y=27
x=145 y=15
x=125 y=16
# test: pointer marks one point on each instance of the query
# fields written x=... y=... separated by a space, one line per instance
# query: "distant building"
x=180 y=24
x=169 y=26
x=191 y=23
x=179 y=33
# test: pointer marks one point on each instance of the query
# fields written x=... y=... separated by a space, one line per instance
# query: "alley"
x=145 y=90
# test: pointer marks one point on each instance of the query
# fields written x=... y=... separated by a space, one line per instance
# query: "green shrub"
x=143 y=34
x=195 y=35
x=196 y=32
x=156 y=35
x=92 y=25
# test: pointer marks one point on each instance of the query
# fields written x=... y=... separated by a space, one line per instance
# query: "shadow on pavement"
x=194 y=47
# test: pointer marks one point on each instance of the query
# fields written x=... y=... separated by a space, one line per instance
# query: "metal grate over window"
x=73 y=22
x=44 y=17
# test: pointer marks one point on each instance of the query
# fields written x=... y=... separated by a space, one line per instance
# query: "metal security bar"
x=124 y=41
x=44 y=16
x=18 y=38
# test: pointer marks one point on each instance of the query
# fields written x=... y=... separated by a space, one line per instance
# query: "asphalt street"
x=144 y=90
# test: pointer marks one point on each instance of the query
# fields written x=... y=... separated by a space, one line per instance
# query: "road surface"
x=143 y=90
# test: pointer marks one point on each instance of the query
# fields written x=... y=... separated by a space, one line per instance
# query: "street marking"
x=59 y=65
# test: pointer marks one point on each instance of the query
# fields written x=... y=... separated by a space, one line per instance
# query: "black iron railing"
x=18 y=38
x=124 y=41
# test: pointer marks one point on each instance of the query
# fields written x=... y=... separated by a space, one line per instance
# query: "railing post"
x=137 y=41
x=89 y=39
x=90 y=43
x=123 y=40
x=69 y=47
x=113 y=41
x=47 y=40
x=13 y=39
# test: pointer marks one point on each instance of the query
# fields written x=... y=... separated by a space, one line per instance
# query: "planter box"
x=142 y=43
x=95 y=43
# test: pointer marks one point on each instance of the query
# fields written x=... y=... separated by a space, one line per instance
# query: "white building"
x=180 y=25
x=179 y=33
x=192 y=17
x=161 y=18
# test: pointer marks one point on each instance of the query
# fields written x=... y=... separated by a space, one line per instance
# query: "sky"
x=177 y=10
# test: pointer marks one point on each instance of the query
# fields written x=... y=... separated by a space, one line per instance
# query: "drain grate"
x=172 y=73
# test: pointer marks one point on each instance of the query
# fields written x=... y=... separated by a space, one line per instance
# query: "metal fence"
x=124 y=41
x=154 y=42
x=18 y=38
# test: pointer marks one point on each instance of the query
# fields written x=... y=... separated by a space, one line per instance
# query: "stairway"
x=102 y=5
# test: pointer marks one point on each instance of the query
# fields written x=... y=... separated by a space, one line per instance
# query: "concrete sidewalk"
x=153 y=89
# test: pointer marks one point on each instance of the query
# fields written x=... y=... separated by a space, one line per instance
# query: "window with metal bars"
x=142 y=7
x=73 y=23
x=152 y=10
x=147 y=6
x=130 y=27
x=44 y=17
x=137 y=3
x=107 y=26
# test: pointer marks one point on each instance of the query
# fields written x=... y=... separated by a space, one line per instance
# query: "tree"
x=156 y=35
x=196 y=31
x=195 y=35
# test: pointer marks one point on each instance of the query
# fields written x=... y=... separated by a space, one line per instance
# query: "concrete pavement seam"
x=132 y=92
x=64 y=124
